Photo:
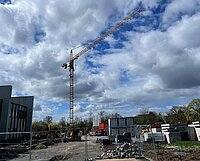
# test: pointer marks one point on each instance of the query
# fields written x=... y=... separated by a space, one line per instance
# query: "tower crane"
x=70 y=64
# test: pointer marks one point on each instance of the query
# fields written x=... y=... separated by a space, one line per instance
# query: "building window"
x=18 y=116
x=17 y=120
x=1 y=102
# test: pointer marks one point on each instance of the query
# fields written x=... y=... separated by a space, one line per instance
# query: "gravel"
x=72 y=151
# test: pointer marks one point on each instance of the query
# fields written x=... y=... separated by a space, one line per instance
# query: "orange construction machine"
x=101 y=131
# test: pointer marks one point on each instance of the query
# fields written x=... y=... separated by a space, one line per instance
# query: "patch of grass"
x=185 y=145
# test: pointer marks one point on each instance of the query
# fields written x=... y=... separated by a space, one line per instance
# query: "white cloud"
x=41 y=111
x=155 y=62
x=185 y=33
x=147 y=70
x=150 y=4
x=179 y=8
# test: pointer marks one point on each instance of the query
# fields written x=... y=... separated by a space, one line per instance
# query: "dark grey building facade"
x=15 y=114
x=117 y=126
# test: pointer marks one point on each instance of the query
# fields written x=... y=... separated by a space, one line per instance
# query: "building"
x=117 y=126
x=15 y=115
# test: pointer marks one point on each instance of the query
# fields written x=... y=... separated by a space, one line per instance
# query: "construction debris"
x=61 y=157
x=6 y=154
x=57 y=158
x=126 y=150
x=41 y=146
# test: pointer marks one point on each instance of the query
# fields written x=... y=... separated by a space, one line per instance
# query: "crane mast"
x=70 y=63
x=71 y=76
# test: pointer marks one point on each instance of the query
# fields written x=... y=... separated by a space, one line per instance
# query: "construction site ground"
x=71 y=151
x=80 y=150
x=170 y=153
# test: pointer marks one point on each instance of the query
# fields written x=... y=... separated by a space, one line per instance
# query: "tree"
x=144 y=111
x=36 y=126
x=39 y=126
x=193 y=111
x=177 y=115
x=148 y=118
x=48 y=119
x=115 y=115
x=80 y=123
x=105 y=116
x=54 y=126
x=102 y=115
x=62 y=122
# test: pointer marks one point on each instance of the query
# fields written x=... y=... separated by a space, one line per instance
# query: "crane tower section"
x=70 y=64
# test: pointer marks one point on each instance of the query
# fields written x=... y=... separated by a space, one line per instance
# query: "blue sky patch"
x=124 y=78
x=5 y=1
x=39 y=36
x=6 y=49
x=93 y=68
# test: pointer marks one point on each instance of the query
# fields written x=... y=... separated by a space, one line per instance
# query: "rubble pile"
x=6 y=154
x=41 y=146
x=57 y=158
x=126 y=150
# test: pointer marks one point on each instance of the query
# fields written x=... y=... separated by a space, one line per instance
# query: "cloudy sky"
x=153 y=61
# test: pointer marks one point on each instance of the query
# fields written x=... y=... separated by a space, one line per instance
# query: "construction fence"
x=43 y=146
x=14 y=147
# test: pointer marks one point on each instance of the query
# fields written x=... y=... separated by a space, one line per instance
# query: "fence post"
x=86 y=145
x=30 y=142
x=154 y=146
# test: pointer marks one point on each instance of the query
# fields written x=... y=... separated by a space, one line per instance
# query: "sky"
x=151 y=62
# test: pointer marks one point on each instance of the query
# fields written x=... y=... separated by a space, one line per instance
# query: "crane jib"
x=105 y=35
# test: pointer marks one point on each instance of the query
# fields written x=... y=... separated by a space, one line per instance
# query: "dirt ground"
x=169 y=155
x=77 y=151
x=164 y=154
x=72 y=151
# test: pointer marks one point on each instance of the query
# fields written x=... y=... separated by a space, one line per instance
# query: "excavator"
x=74 y=134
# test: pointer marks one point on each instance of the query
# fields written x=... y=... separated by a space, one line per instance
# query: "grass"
x=184 y=145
